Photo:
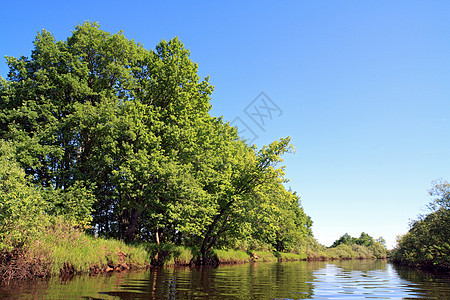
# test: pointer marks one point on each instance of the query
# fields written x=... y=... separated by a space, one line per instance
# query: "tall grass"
x=230 y=256
x=64 y=247
x=290 y=256
x=264 y=256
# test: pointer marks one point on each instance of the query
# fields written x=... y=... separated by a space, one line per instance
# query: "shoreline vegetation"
x=64 y=251
x=427 y=243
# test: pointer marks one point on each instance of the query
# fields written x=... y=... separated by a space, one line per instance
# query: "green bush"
x=362 y=251
x=427 y=243
x=378 y=250
x=21 y=203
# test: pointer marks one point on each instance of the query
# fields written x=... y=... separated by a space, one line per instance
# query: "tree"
x=277 y=219
x=441 y=193
x=346 y=239
x=363 y=240
x=427 y=244
x=249 y=171
x=381 y=241
x=128 y=130
x=102 y=110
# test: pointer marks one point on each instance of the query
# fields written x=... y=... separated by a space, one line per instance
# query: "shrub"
x=427 y=242
x=21 y=203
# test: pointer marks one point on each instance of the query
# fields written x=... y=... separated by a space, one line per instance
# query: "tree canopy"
x=127 y=132
x=364 y=240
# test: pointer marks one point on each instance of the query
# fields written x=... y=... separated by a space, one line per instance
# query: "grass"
x=72 y=250
x=65 y=249
x=264 y=256
x=291 y=256
x=231 y=256
x=60 y=249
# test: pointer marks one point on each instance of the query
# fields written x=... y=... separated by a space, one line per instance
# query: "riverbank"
x=62 y=251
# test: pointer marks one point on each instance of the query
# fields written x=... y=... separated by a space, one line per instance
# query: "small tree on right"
x=427 y=243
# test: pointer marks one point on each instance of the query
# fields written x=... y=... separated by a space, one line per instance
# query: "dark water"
x=289 y=280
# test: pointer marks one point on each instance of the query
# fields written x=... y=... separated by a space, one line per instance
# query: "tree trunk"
x=209 y=241
x=159 y=235
x=132 y=225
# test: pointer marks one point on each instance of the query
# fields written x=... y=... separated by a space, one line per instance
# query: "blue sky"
x=361 y=87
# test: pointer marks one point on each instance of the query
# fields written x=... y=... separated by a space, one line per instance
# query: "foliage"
x=346 y=239
x=440 y=192
x=75 y=204
x=21 y=204
x=427 y=242
x=365 y=246
x=378 y=250
x=26 y=208
x=120 y=137
x=364 y=240
x=278 y=220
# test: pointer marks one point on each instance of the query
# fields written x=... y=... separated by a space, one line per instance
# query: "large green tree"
x=101 y=113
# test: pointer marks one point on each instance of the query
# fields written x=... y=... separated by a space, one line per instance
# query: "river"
x=366 y=279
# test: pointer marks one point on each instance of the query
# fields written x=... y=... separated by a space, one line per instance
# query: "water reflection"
x=435 y=286
x=251 y=281
x=373 y=279
x=294 y=280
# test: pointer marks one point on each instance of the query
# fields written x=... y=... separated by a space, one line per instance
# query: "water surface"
x=366 y=279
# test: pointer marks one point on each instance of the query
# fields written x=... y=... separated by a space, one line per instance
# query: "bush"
x=21 y=203
x=426 y=244
x=26 y=208
x=378 y=250
x=362 y=251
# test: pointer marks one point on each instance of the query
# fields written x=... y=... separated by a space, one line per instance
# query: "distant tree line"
x=364 y=240
x=119 y=139
x=364 y=246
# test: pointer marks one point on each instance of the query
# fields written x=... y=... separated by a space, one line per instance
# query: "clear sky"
x=362 y=87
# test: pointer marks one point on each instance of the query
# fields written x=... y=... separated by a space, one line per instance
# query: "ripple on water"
x=334 y=282
x=289 y=280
